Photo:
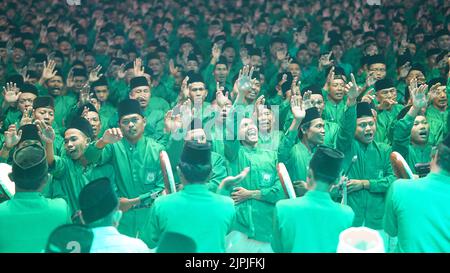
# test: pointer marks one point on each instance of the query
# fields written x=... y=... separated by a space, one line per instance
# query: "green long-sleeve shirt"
x=310 y=224
x=196 y=212
x=438 y=124
x=385 y=118
x=413 y=154
x=372 y=164
x=417 y=212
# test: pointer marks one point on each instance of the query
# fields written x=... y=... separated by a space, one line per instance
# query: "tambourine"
x=400 y=167
x=286 y=181
x=166 y=167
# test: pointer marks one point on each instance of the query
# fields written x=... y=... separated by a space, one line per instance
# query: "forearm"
x=380 y=185
x=347 y=129
x=50 y=154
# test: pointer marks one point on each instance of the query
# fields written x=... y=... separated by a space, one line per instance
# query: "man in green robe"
x=313 y=223
x=422 y=229
x=371 y=174
x=195 y=211
x=135 y=159
x=27 y=220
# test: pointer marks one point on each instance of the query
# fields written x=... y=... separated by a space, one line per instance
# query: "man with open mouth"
x=437 y=113
x=371 y=174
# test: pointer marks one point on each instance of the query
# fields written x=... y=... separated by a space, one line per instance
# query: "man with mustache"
x=334 y=101
x=141 y=92
x=371 y=175
x=135 y=159
x=437 y=112
x=387 y=108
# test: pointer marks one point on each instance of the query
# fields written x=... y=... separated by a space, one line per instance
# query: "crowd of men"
x=93 y=93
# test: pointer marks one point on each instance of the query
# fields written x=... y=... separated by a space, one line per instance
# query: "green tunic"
x=254 y=217
x=270 y=141
x=13 y=116
x=196 y=212
x=138 y=171
x=417 y=212
x=311 y=223
x=413 y=154
x=63 y=107
x=333 y=112
x=69 y=178
x=27 y=220
x=296 y=157
x=438 y=122
x=385 y=119
x=372 y=164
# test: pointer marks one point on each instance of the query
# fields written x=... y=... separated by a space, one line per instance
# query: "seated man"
x=100 y=211
x=28 y=218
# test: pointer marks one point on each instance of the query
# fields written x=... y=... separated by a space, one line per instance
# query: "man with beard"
x=411 y=131
x=257 y=194
x=437 y=112
x=73 y=170
x=135 y=159
x=154 y=126
x=422 y=228
x=387 y=108
x=371 y=174
x=52 y=83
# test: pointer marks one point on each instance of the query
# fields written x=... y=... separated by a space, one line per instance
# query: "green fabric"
x=13 y=116
x=401 y=143
x=254 y=217
x=27 y=220
x=270 y=141
x=372 y=164
x=63 y=107
x=296 y=157
x=69 y=178
x=219 y=166
x=165 y=90
x=333 y=112
x=438 y=124
x=154 y=127
x=118 y=91
x=417 y=212
x=138 y=171
x=310 y=224
x=385 y=118
x=196 y=212
x=106 y=113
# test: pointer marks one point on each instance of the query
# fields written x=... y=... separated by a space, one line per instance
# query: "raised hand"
x=215 y=53
x=95 y=74
x=121 y=72
x=418 y=94
x=221 y=99
x=112 y=135
x=330 y=77
x=27 y=116
x=307 y=103
x=297 y=109
x=369 y=97
x=70 y=82
x=259 y=105
x=370 y=80
x=325 y=61
x=84 y=94
x=49 y=70
x=404 y=70
x=184 y=94
x=172 y=68
x=138 y=68
x=12 y=137
x=244 y=79
x=11 y=93
x=45 y=131
x=352 y=90
x=172 y=122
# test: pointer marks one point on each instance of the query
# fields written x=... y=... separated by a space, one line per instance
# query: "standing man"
x=27 y=220
x=371 y=175
x=313 y=223
x=422 y=228
x=135 y=159
x=195 y=211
